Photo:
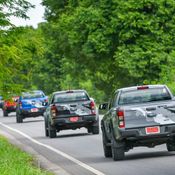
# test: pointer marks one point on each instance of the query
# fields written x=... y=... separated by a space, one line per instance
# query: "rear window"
x=145 y=95
x=30 y=95
x=69 y=97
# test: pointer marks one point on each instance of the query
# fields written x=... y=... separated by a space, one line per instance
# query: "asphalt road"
x=80 y=153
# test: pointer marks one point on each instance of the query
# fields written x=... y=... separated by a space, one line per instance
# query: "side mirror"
x=103 y=106
x=16 y=100
x=92 y=99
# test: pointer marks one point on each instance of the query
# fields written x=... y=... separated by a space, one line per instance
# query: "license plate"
x=152 y=130
x=34 y=110
x=74 y=119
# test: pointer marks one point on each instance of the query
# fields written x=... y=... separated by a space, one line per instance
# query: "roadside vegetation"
x=97 y=45
x=16 y=162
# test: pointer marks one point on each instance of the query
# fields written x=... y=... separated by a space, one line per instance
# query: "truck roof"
x=67 y=91
x=136 y=87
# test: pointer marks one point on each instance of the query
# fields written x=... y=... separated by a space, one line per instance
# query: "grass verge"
x=13 y=161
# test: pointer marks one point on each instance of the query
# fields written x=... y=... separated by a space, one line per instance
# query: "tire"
x=46 y=127
x=170 y=145
x=95 y=130
x=19 y=118
x=5 y=113
x=51 y=131
x=118 y=151
x=107 y=149
x=89 y=130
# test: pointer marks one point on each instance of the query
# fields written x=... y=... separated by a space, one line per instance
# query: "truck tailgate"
x=151 y=115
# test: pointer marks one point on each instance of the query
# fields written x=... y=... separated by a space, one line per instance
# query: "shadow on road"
x=72 y=135
x=63 y=136
x=129 y=157
x=9 y=116
x=149 y=155
x=32 y=121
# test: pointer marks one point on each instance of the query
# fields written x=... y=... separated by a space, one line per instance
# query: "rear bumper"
x=140 y=133
x=66 y=123
x=27 y=112
x=10 y=108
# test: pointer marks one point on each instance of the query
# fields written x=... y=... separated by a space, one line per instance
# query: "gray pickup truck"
x=138 y=116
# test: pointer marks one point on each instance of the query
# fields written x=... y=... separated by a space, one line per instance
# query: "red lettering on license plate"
x=34 y=110
x=152 y=130
x=73 y=119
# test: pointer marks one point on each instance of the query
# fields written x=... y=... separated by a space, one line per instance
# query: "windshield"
x=33 y=94
x=145 y=95
x=68 y=97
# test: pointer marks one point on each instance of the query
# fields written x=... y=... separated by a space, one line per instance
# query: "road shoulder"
x=40 y=161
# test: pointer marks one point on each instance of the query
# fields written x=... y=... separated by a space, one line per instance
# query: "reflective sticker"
x=162 y=120
x=139 y=110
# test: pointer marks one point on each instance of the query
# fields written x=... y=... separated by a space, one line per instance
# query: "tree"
x=9 y=8
x=120 y=43
x=9 y=54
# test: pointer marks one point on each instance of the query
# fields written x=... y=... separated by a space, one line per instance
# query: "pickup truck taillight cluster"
x=92 y=106
x=121 y=119
x=20 y=105
x=54 y=111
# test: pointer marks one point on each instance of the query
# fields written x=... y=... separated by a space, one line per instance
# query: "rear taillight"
x=121 y=119
x=142 y=87
x=20 y=104
x=92 y=106
x=46 y=100
x=54 y=111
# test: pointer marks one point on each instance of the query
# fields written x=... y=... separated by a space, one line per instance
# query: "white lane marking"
x=56 y=151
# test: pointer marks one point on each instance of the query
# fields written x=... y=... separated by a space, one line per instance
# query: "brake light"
x=20 y=104
x=142 y=87
x=92 y=106
x=121 y=119
x=46 y=100
x=69 y=91
x=54 y=111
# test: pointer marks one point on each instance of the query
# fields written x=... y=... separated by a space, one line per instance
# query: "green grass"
x=13 y=161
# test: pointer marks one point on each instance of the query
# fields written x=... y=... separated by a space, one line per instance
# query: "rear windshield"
x=69 y=97
x=30 y=95
x=145 y=95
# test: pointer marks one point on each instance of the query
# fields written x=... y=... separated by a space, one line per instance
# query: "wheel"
x=106 y=148
x=89 y=130
x=46 y=127
x=118 y=151
x=95 y=129
x=170 y=145
x=5 y=113
x=19 y=118
x=51 y=131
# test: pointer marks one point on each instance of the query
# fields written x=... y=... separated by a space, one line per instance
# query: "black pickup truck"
x=138 y=116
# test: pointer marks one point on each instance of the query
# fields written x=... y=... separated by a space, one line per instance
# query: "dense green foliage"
x=10 y=8
x=14 y=161
x=98 y=45
x=19 y=53
x=11 y=52
x=114 y=43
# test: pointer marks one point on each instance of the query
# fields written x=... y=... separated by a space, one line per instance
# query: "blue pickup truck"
x=31 y=104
